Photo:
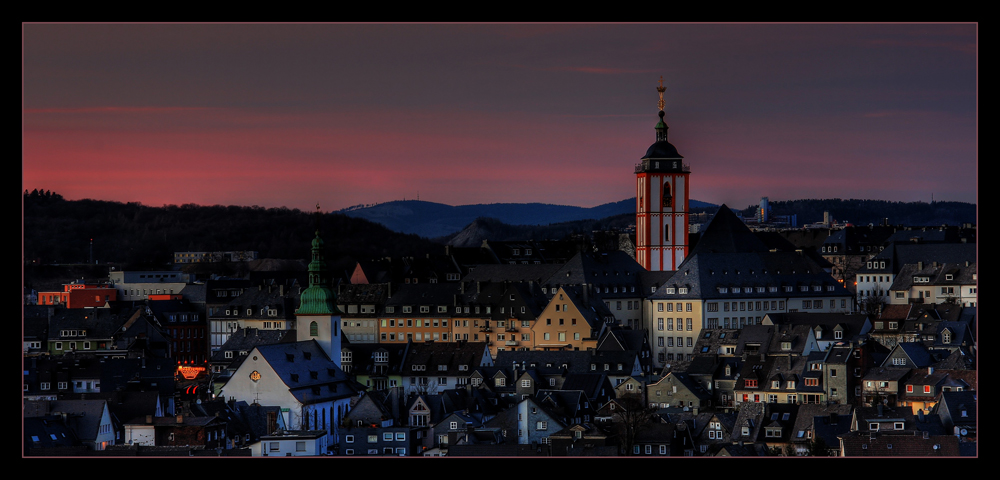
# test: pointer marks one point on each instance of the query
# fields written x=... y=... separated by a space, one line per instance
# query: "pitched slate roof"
x=898 y=254
x=725 y=233
x=736 y=275
x=863 y=445
x=85 y=414
x=451 y=355
x=310 y=375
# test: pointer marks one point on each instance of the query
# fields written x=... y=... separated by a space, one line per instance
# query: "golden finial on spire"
x=661 y=89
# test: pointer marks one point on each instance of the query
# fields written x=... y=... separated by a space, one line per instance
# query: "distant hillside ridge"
x=435 y=220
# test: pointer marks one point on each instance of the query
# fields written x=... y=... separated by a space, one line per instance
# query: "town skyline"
x=298 y=114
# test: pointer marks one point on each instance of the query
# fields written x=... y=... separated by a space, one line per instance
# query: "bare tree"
x=631 y=417
x=872 y=304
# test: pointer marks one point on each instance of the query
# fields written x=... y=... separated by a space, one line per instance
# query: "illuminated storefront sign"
x=190 y=373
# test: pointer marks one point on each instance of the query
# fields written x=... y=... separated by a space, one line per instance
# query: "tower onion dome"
x=318 y=299
x=662 y=148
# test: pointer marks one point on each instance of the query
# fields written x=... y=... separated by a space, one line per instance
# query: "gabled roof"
x=98 y=322
x=863 y=445
x=306 y=370
x=916 y=352
x=84 y=415
x=432 y=355
x=725 y=233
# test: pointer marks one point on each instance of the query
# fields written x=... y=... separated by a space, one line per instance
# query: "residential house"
x=360 y=305
x=90 y=420
x=432 y=367
x=864 y=445
x=573 y=320
x=677 y=390
x=396 y=440
x=922 y=390
x=418 y=313
x=186 y=327
x=265 y=307
x=218 y=294
x=292 y=443
x=613 y=276
x=882 y=385
x=584 y=439
x=951 y=283
x=958 y=413
x=83 y=330
x=879 y=273
x=374 y=365
x=530 y=421
x=206 y=432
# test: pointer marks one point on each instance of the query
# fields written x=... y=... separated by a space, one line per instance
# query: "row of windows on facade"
x=386 y=437
x=82 y=386
x=398 y=451
x=772 y=289
x=444 y=309
x=136 y=291
x=270 y=312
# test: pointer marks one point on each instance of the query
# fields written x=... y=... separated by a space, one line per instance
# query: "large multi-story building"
x=730 y=280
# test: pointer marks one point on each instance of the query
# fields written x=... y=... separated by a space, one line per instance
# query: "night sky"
x=299 y=114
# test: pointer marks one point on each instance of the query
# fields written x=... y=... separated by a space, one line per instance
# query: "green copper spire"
x=318 y=299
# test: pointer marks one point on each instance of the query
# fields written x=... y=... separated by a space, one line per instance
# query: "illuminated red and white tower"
x=661 y=215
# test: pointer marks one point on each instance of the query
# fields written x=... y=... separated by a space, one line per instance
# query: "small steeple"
x=661 y=126
x=318 y=299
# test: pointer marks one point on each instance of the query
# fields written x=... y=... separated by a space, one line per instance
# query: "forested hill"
x=60 y=231
x=863 y=212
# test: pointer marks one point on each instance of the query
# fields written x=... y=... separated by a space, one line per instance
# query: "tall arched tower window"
x=666 y=233
x=668 y=200
x=314 y=329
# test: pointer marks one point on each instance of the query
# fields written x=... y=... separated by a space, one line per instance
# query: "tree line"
x=140 y=236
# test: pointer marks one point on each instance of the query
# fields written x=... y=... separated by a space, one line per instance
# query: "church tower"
x=661 y=216
x=318 y=317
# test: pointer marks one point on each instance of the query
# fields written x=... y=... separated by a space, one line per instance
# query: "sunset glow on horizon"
x=290 y=115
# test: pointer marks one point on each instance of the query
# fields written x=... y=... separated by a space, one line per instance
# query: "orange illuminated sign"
x=190 y=373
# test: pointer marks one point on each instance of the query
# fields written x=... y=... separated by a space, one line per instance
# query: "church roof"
x=725 y=233
x=662 y=149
